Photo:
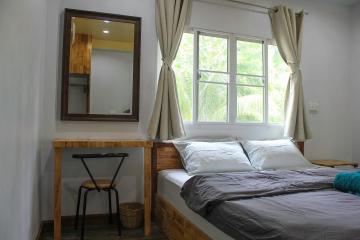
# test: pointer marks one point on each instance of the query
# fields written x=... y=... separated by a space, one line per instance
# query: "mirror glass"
x=101 y=66
x=100 y=79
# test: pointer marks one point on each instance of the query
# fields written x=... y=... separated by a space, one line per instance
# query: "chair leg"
x=117 y=211
x=77 y=208
x=83 y=216
x=110 y=207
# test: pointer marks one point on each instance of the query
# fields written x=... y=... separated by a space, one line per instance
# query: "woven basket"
x=132 y=214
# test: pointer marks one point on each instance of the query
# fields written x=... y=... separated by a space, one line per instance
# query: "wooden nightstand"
x=334 y=163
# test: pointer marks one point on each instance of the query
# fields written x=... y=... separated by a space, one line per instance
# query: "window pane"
x=183 y=67
x=212 y=102
x=213 y=53
x=250 y=58
x=214 y=77
x=278 y=77
x=256 y=81
x=250 y=104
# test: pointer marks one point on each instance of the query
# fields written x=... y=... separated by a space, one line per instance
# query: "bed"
x=178 y=221
x=171 y=220
x=174 y=221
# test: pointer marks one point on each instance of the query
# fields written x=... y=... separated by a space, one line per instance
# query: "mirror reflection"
x=100 y=67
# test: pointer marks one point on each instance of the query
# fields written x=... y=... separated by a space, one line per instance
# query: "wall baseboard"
x=66 y=221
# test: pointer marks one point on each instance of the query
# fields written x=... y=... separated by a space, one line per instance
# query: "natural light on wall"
x=236 y=83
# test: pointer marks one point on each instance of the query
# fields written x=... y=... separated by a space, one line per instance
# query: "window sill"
x=241 y=130
x=231 y=125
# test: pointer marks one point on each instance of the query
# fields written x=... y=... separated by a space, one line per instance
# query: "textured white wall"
x=355 y=79
x=326 y=81
x=230 y=18
x=110 y=81
x=325 y=70
x=325 y=65
x=130 y=182
x=21 y=67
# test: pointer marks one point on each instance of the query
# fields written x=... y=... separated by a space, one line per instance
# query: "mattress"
x=170 y=183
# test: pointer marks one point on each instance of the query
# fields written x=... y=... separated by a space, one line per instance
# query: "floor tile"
x=105 y=232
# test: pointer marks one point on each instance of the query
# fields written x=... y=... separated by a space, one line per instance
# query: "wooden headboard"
x=165 y=156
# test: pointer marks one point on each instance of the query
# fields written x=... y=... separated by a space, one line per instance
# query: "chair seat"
x=101 y=183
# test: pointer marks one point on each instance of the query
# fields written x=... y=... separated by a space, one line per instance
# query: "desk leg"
x=57 y=195
x=147 y=191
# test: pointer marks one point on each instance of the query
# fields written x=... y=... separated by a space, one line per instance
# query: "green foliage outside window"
x=213 y=87
x=213 y=53
x=250 y=89
x=278 y=77
x=183 y=67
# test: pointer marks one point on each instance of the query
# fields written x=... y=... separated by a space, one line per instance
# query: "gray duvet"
x=279 y=204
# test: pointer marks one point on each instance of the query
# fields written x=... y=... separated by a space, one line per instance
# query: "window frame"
x=197 y=73
x=264 y=77
x=232 y=85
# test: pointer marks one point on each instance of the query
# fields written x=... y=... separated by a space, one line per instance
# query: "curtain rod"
x=245 y=3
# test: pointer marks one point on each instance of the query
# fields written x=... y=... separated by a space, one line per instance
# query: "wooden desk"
x=60 y=144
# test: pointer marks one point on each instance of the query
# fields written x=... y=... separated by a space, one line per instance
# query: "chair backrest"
x=83 y=157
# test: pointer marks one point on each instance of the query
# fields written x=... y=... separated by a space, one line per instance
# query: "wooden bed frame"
x=174 y=225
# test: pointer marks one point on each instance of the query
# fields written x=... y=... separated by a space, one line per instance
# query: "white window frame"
x=232 y=85
x=197 y=73
x=264 y=77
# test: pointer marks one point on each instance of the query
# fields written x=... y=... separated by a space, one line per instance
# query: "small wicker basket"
x=132 y=214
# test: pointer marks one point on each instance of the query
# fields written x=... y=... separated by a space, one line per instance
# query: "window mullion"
x=196 y=78
x=232 y=84
x=266 y=88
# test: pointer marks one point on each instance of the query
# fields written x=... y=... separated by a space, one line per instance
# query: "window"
x=213 y=79
x=278 y=77
x=227 y=79
x=183 y=67
x=250 y=81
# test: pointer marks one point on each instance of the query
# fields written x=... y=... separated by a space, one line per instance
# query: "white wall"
x=355 y=79
x=21 y=67
x=231 y=18
x=326 y=81
x=324 y=65
x=131 y=174
x=77 y=99
x=111 y=81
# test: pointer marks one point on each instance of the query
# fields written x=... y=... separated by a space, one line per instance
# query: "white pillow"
x=210 y=157
x=275 y=154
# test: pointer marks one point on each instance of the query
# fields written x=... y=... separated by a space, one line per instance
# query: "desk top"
x=100 y=143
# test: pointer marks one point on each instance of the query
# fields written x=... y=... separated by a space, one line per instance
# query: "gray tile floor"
x=104 y=232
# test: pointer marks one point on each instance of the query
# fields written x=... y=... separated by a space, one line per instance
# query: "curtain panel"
x=171 y=18
x=287 y=27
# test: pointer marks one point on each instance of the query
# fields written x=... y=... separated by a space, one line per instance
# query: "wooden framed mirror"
x=101 y=67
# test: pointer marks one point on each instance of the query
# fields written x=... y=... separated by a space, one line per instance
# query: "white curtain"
x=287 y=27
x=171 y=18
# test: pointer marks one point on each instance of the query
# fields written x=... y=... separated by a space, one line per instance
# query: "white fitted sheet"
x=170 y=183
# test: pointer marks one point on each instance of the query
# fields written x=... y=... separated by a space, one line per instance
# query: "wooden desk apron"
x=60 y=144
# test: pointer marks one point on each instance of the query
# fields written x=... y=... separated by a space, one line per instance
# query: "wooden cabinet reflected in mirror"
x=101 y=67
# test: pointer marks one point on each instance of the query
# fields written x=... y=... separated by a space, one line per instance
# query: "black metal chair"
x=106 y=185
